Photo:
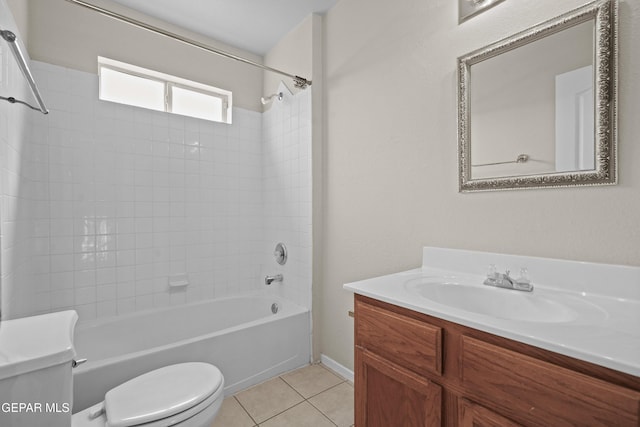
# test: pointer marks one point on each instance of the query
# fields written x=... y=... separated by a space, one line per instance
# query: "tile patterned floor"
x=313 y=396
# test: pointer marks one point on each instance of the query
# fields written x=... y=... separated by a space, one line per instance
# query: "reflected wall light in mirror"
x=538 y=109
x=470 y=8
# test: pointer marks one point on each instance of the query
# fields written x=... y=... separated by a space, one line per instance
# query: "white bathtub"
x=240 y=335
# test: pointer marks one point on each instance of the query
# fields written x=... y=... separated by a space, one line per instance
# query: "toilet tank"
x=36 y=385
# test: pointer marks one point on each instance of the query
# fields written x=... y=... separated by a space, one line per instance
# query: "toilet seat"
x=163 y=397
x=161 y=393
x=182 y=416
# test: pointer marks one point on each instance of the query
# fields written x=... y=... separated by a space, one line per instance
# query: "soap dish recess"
x=179 y=280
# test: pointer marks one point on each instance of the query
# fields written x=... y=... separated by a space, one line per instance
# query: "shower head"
x=269 y=99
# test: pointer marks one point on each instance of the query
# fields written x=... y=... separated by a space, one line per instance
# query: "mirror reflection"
x=532 y=107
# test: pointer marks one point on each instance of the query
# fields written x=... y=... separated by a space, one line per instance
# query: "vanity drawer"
x=405 y=341
x=541 y=393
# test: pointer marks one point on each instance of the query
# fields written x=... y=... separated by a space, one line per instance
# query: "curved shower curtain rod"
x=299 y=82
x=11 y=39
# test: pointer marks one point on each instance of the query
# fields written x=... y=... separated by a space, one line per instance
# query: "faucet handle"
x=492 y=273
x=524 y=276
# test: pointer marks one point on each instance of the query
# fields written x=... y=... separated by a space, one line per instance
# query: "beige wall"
x=71 y=36
x=292 y=54
x=391 y=166
x=20 y=12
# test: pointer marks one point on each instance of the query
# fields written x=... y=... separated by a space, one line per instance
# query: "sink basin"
x=504 y=303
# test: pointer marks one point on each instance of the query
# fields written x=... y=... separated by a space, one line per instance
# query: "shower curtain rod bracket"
x=301 y=82
x=8 y=36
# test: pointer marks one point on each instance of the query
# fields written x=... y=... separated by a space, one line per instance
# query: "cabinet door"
x=542 y=394
x=473 y=415
x=410 y=343
x=389 y=395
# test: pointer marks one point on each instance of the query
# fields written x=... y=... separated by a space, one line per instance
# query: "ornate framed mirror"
x=538 y=109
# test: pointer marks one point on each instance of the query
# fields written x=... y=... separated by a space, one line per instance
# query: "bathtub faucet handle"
x=270 y=279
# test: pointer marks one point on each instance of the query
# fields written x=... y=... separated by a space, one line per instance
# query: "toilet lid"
x=161 y=393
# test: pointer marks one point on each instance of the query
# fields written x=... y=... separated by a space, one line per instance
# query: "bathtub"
x=240 y=335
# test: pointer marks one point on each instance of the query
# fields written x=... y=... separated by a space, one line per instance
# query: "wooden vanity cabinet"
x=393 y=348
x=473 y=415
x=416 y=370
x=393 y=396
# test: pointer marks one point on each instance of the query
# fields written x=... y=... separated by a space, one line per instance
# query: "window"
x=117 y=86
x=132 y=85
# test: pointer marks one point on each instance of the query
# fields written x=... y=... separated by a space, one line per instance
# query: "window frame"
x=169 y=82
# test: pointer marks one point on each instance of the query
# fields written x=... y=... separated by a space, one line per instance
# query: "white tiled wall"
x=128 y=197
x=287 y=192
x=122 y=198
x=15 y=196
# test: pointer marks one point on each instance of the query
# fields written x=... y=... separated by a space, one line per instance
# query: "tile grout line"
x=330 y=388
x=317 y=394
x=298 y=404
x=292 y=388
x=282 y=412
x=342 y=380
x=323 y=414
x=304 y=399
x=331 y=371
x=312 y=405
x=245 y=410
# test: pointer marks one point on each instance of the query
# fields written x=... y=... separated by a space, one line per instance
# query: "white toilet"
x=36 y=355
x=187 y=394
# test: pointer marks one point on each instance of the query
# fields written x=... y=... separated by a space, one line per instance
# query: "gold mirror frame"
x=605 y=14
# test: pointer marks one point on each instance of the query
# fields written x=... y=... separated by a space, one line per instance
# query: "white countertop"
x=608 y=335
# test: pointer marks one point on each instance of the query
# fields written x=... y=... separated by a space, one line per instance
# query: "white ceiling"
x=253 y=25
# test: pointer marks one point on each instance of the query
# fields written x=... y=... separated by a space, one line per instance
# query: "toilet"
x=186 y=394
x=36 y=355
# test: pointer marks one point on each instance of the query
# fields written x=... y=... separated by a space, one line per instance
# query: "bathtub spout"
x=270 y=279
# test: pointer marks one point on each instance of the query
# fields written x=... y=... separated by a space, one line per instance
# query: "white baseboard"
x=336 y=367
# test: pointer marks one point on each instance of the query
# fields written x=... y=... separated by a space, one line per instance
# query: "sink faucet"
x=500 y=280
x=270 y=279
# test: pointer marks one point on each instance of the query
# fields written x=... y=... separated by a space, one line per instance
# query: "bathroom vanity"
x=434 y=346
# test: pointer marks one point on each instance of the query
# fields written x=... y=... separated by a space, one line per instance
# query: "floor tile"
x=268 y=399
x=232 y=415
x=311 y=380
x=302 y=415
x=337 y=404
